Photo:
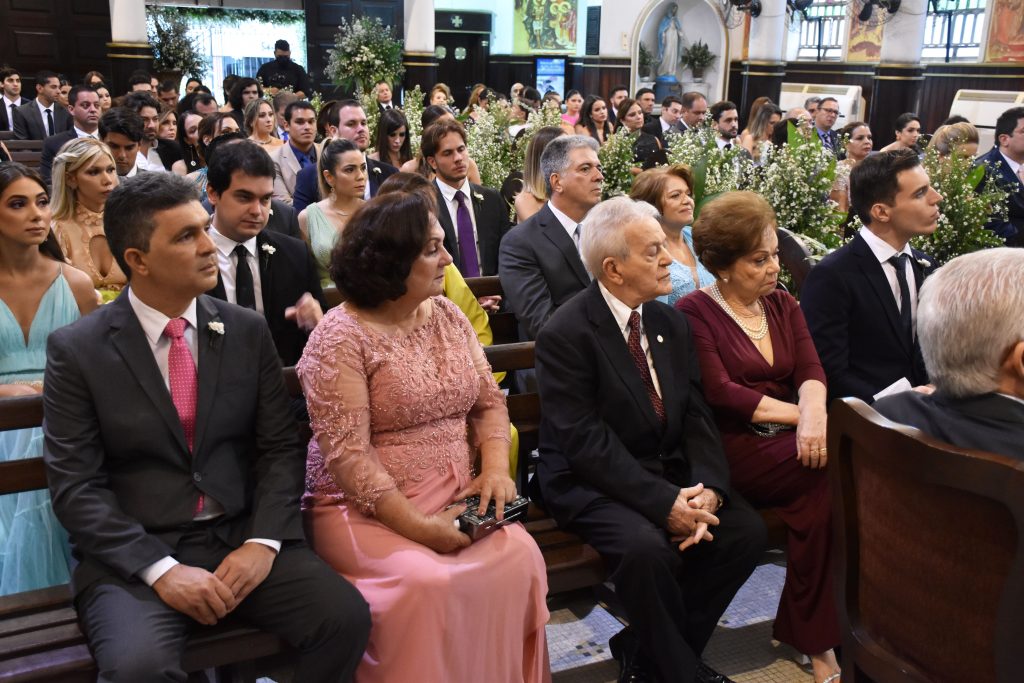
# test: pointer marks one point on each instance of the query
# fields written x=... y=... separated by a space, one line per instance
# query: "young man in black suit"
x=84 y=105
x=970 y=320
x=671 y=109
x=861 y=300
x=10 y=97
x=266 y=271
x=174 y=463
x=539 y=260
x=630 y=458
x=474 y=218
x=346 y=119
x=1008 y=155
x=44 y=116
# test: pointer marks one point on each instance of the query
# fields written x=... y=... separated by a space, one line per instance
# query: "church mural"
x=865 y=41
x=1006 y=32
x=545 y=26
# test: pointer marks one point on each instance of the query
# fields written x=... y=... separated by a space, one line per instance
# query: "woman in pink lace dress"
x=401 y=401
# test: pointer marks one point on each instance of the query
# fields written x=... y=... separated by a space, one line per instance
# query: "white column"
x=768 y=33
x=904 y=34
x=419 y=26
x=128 y=21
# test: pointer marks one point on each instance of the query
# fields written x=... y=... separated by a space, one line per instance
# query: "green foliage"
x=220 y=16
x=714 y=170
x=966 y=206
x=697 y=56
x=173 y=49
x=490 y=144
x=365 y=51
x=616 y=157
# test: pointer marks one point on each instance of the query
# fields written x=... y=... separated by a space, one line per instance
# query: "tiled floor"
x=741 y=648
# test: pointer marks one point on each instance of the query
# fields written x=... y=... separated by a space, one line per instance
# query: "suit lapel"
x=875 y=276
x=609 y=336
x=209 y=346
x=656 y=331
x=267 y=270
x=554 y=231
x=444 y=217
x=130 y=341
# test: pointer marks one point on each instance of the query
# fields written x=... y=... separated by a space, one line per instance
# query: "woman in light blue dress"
x=38 y=294
x=670 y=190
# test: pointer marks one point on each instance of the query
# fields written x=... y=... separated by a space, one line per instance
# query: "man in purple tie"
x=474 y=217
x=174 y=462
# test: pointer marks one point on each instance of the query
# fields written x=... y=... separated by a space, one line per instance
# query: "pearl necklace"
x=757 y=334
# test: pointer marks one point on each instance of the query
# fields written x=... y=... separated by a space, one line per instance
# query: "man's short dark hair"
x=719 y=108
x=235 y=96
x=170 y=86
x=283 y=99
x=294 y=106
x=616 y=88
x=282 y=45
x=436 y=132
x=138 y=78
x=128 y=217
x=45 y=75
x=203 y=98
x=903 y=120
x=382 y=240
x=690 y=98
x=8 y=71
x=1007 y=122
x=138 y=100
x=531 y=94
x=955 y=118
x=669 y=101
x=245 y=156
x=334 y=115
x=875 y=180
x=641 y=92
x=124 y=121
x=74 y=92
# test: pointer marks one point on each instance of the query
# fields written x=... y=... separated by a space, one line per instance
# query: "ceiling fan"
x=875 y=12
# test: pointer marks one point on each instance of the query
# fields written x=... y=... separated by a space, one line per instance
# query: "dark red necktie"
x=640 y=359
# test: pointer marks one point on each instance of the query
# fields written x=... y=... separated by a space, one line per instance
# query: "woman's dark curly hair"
x=371 y=263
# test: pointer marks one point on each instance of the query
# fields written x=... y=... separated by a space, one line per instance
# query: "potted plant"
x=645 y=60
x=698 y=57
x=175 y=53
x=365 y=51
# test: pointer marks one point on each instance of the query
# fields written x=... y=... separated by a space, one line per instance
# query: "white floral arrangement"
x=714 y=170
x=616 y=157
x=369 y=101
x=412 y=107
x=365 y=51
x=490 y=145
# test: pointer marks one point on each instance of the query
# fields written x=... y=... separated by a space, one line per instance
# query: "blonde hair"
x=946 y=138
x=73 y=156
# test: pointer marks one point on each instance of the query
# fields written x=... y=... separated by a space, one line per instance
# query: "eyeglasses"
x=834 y=112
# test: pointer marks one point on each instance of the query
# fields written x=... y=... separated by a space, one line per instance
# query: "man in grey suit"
x=174 y=463
x=300 y=151
x=970 y=323
x=44 y=116
x=539 y=261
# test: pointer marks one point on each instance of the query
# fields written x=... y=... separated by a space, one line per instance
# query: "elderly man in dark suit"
x=266 y=271
x=970 y=320
x=44 y=116
x=861 y=300
x=630 y=458
x=346 y=119
x=175 y=465
x=474 y=218
x=1005 y=162
x=539 y=261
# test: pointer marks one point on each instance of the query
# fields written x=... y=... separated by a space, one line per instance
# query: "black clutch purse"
x=477 y=526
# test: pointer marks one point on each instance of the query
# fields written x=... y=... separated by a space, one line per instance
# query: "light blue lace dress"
x=34 y=549
x=682 y=276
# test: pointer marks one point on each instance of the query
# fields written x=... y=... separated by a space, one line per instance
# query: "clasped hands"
x=691 y=515
x=208 y=597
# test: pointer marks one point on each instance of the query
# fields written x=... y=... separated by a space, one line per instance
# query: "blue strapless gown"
x=34 y=550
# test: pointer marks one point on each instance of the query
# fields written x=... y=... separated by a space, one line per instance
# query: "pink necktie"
x=181 y=370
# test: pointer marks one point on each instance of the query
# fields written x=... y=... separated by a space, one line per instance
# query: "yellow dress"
x=75 y=235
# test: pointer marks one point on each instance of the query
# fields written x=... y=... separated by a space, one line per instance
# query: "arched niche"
x=701 y=20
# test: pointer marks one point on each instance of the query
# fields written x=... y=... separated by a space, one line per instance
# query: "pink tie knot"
x=175 y=328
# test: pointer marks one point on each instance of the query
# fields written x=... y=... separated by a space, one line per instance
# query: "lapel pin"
x=660 y=339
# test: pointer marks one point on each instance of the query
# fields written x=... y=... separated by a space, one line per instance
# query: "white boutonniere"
x=376 y=169
x=477 y=196
x=271 y=212
x=924 y=262
x=216 y=327
x=269 y=249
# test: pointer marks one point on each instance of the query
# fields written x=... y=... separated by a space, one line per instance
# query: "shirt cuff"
x=275 y=545
x=153 y=572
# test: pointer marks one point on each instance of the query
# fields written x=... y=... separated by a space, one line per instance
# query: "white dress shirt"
x=449 y=192
x=153 y=323
x=82 y=134
x=883 y=252
x=568 y=224
x=227 y=262
x=7 y=108
x=621 y=313
x=42 y=114
x=1011 y=164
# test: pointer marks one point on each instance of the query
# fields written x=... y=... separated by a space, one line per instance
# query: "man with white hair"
x=538 y=261
x=629 y=456
x=970 y=322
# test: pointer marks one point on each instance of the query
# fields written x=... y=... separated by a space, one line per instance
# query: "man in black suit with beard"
x=630 y=458
x=860 y=301
x=174 y=462
x=1005 y=165
x=474 y=218
x=266 y=271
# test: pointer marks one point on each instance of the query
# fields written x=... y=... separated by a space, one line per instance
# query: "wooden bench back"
x=930 y=553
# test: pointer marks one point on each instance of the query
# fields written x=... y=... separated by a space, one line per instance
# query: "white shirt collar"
x=665 y=125
x=1014 y=166
x=226 y=245
x=153 y=321
x=82 y=134
x=1018 y=399
x=567 y=223
x=620 y=311
x=882 y=250
x=9 y=102
x=42 y=111
x=448 y=192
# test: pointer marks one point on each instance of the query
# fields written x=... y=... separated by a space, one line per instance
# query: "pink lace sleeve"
x=488 y=419
x=334 y=380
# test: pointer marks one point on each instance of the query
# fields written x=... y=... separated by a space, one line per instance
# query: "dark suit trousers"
x=136 y=638
x=673 y=599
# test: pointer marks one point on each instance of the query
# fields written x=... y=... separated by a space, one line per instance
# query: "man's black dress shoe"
x=705 y=674
x=626 y=652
